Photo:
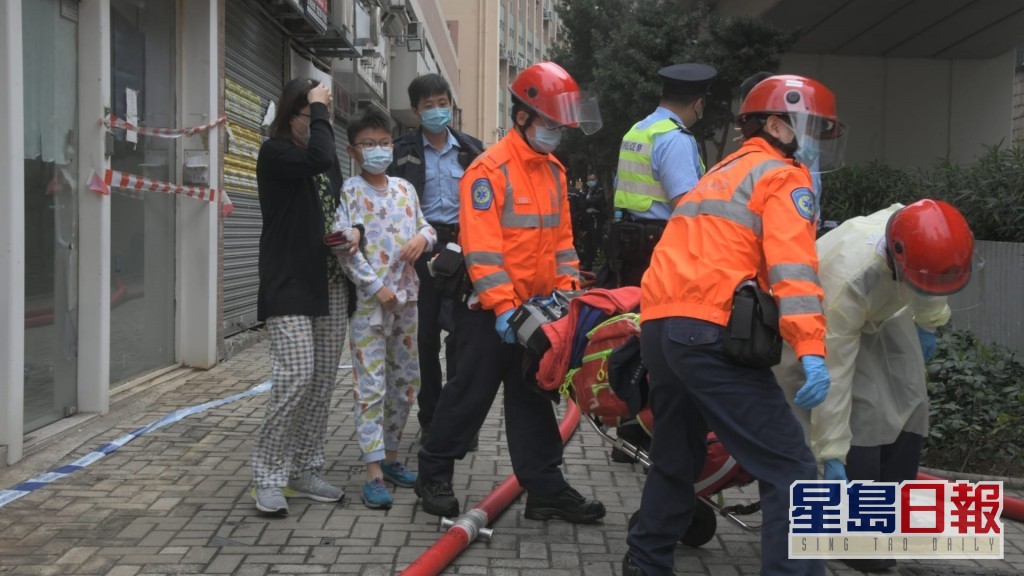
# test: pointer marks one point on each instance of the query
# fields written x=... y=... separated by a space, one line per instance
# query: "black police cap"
x=688 y=78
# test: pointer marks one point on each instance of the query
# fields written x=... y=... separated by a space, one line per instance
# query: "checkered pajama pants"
x=305 y=351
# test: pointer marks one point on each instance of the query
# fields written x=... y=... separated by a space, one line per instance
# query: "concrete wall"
x=911 y=112
x=477 y=35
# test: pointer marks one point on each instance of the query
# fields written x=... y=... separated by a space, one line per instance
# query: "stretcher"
x=590 y=353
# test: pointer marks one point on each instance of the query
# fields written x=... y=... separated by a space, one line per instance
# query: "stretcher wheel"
x=702 y=527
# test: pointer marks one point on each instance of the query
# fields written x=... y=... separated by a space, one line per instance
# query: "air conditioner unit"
x=396 y=5
x=342 y=15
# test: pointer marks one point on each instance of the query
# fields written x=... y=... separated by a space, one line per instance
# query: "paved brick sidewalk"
x=175 y=501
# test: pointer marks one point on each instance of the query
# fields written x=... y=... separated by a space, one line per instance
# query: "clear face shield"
x=572 y=109
x=821 y=142
x=924 y=290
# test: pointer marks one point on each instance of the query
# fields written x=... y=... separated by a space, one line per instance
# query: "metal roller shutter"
x=340 y=146
x=254 y=63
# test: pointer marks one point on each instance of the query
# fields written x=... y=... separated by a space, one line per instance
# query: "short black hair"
x=675 y=97
x=428 y=85
x=369 y=120
x=751 y=81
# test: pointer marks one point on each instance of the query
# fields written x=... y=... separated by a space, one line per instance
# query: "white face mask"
x=544 y=140
x=377 y=159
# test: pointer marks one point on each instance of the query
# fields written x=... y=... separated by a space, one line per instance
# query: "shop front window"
x=51 y=215
x=142 y=235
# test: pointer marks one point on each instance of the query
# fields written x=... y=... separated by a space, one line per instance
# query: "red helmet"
x=811 y=110
x=547 y=89
x=931 y=246
x=787 y=94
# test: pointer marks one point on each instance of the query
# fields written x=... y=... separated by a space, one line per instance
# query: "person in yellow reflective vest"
x=658 y=163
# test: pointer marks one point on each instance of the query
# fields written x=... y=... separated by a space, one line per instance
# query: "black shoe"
x=474 y=444
x=622 y=457
x=437 y=499
x=566 y=504
x=871 y=564
x=630 y=569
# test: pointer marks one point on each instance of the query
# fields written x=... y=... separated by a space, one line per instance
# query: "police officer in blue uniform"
x=658 y=163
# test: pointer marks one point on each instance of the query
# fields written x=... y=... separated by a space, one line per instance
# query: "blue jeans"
x=694 y=386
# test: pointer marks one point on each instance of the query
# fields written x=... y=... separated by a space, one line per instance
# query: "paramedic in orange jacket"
x=751 y=217
x=516 y=234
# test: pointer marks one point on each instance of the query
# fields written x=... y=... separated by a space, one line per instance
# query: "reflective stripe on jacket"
x=516 y=229
x=636 y=188
x=747 y=218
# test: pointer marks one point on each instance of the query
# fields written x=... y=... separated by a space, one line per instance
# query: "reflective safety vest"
x=516 y=229
x=637 y=188
x=750 y=217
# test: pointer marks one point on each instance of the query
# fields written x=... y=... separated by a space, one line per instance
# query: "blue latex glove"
x=928 y=345
x=504 y=330
x=815 y=389
x=835 y=470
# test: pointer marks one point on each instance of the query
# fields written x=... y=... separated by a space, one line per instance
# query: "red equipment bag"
x=589 y=382
x=720 y=471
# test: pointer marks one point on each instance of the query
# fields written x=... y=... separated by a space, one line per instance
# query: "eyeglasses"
x=367 y=144
x=330 y=115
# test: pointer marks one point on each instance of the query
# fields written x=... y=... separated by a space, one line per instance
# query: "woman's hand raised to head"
x=319 y=93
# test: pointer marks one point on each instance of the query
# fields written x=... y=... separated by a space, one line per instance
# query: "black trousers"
x=894 y=462
x=694 y=387
x=484 y=363
x=432 y=320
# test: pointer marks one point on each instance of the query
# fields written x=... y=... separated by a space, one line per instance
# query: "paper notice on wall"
x=131 y=99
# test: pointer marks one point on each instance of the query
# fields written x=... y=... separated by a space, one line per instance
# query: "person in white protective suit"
x=886 y=277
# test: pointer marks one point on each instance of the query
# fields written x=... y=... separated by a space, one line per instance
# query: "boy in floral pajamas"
x=382 y=331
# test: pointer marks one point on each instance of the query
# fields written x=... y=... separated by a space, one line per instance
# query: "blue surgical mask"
x=544 y=140
x=436 y=120
x=591 y=183
x=808 y=153
x=376 y=160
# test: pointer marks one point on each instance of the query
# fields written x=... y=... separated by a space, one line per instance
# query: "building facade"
x=109 y=286
x=496 y=40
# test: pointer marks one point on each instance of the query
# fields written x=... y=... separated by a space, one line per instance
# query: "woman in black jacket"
x=303 y=296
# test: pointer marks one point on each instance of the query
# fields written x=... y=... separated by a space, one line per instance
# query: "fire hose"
x=1013 y=508
x=465 y=529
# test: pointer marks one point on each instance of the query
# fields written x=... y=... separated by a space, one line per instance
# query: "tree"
x=616 y=47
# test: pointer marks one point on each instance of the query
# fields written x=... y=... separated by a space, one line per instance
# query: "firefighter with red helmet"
x=745 y=229
x=516 y=234
x=886 y=277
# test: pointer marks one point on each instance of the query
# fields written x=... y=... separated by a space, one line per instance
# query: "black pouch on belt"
x=449 y=271
x=752 y=336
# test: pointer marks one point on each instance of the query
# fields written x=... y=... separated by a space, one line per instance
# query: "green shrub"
x=990 y=192
x=977 y=407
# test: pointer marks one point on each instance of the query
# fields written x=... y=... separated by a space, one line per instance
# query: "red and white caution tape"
x=123 y=180
x=112 y=121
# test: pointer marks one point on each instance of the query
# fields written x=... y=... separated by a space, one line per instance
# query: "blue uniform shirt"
x=675 y=163
x=441 y=190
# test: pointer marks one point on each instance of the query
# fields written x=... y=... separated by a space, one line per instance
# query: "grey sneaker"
x=310 y=485
x=270 y=501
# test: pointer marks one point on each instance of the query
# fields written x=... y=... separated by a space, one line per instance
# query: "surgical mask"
x=808 y=153
x=591 y=183
x=305 y=137
x=544 y=140
x=436 y=120
x=377 y=159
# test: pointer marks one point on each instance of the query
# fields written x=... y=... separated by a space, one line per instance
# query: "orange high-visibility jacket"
x=514 y=225
x=751 y=216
